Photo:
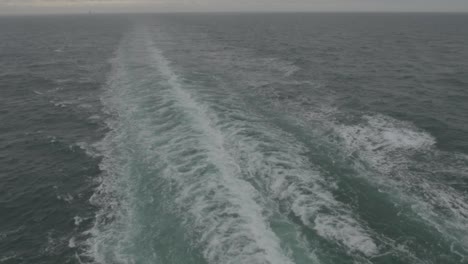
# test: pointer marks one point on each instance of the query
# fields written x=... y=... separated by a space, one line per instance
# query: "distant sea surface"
x=234 y=139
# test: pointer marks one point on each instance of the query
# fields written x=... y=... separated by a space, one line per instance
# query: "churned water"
x=234 y=138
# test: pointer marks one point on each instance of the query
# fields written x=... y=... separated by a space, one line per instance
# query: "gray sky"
x=79 y=6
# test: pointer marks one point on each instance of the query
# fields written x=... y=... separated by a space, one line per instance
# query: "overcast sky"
x=73 y=6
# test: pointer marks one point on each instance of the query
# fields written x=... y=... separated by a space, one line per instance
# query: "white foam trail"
x=382 y=143
x=284 y=172
x=249 y=231
x=168 y=129
x=111 y=238
x=212 y=165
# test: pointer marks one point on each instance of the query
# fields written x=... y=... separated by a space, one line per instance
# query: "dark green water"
x=234 y=138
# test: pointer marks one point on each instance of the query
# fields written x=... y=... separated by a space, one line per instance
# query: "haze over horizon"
x=123 y=6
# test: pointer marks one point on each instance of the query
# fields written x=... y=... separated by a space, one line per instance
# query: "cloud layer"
x=56 y=6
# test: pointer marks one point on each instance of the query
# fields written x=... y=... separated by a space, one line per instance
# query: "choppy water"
x=259 y=138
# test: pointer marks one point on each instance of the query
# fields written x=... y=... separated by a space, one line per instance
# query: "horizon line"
x=91 y=12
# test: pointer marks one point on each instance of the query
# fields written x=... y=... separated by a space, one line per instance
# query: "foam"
x=290 y=179
x=77 y=220
x=388 y=145
x=384 y=141
x=72 y=242
x=8 y=257
x=284 y=174
x=89 y=149
x=245 y=237
x=68 y=198
x=230 y=172
x=347 y=231
x=382 y=133
x=224 y=214
x=385 y=145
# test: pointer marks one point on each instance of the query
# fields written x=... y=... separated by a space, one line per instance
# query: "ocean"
x=234 y=138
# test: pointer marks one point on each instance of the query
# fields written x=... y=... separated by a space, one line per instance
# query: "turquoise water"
x=235 y=138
